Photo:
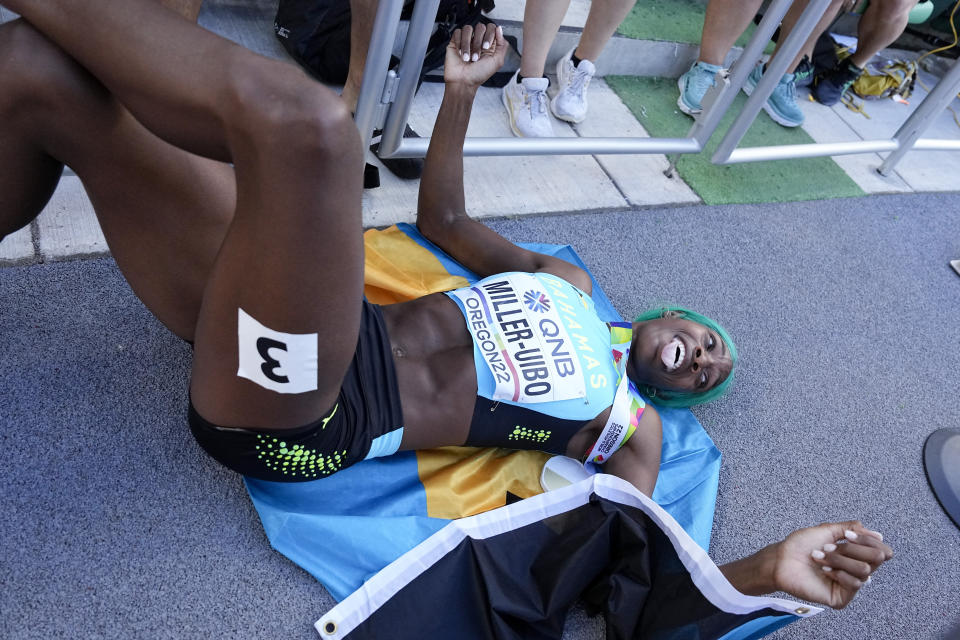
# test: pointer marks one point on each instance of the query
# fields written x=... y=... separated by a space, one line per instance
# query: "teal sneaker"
x=782 y=104
x=694 y=85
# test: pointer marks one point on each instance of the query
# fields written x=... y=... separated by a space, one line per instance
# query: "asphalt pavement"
x=846 y=313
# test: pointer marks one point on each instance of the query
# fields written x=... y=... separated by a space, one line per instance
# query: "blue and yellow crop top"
x=544 y=362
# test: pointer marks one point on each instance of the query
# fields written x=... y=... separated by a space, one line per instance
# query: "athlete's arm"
x=638 y=460
x=441 y=212
x=798 y=564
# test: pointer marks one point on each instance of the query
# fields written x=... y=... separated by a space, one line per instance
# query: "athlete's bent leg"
x=291 y=266
x=290 y=270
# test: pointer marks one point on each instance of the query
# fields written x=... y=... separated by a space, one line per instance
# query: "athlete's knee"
x=318 y=122
x=279 y=106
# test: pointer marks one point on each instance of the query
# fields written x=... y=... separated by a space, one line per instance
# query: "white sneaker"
x=526 y=104
x=570 y=103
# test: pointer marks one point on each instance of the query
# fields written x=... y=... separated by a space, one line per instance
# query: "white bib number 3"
x=281 y=362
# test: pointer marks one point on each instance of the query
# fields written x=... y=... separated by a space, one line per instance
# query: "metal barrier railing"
x=776 y=67
x=908 y=135
x=386 y=98
x=906 y=138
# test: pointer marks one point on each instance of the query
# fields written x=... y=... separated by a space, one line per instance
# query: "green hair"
x=689 y=398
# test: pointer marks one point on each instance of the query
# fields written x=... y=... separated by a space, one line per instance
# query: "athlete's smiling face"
x=679 y=355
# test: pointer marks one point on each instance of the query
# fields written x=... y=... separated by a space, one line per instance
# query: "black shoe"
x=803 y=74
x=404 y=168
x=829 y=87
x=371 y=176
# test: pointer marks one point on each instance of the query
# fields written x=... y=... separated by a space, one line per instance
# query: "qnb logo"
x=536 y=301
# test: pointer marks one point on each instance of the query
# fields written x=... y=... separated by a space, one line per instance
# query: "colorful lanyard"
x=627 y=404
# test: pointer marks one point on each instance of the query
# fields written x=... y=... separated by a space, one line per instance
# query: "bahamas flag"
x=346 y=528
x=513 y=574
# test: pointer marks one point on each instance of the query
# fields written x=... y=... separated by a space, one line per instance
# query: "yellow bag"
x=895 y=80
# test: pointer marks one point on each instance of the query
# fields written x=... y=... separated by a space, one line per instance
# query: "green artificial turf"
x=670 y=21
x=653 y=101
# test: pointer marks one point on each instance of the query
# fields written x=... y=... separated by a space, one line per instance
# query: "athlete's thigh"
x=164 y=213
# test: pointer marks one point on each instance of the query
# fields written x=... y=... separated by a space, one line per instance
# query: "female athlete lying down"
x=229 y=187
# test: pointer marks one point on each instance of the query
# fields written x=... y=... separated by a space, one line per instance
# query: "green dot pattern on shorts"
x=297 y=461
x=538 y=436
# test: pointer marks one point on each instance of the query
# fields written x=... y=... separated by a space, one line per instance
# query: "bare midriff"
x=434 y=358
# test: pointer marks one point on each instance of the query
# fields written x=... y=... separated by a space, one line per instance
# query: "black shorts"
x=365 y=422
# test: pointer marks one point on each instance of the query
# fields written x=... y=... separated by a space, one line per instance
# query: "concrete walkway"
x=534 y=184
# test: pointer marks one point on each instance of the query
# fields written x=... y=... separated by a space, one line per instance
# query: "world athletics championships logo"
x=536 y=301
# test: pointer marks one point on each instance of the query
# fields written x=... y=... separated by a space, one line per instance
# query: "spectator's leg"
x=525 y=95
x=541 y=22
x=782 y=105
x=292 y=257
x=790 y=20
x=604 y=18
x=576 y=68
x=880 y=25
x=725 y=21
x=362 y=15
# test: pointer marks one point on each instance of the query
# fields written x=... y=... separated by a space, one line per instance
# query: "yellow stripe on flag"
x=463 y=481
x=398 y=269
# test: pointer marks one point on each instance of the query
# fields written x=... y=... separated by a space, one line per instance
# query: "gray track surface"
x=847 y=316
